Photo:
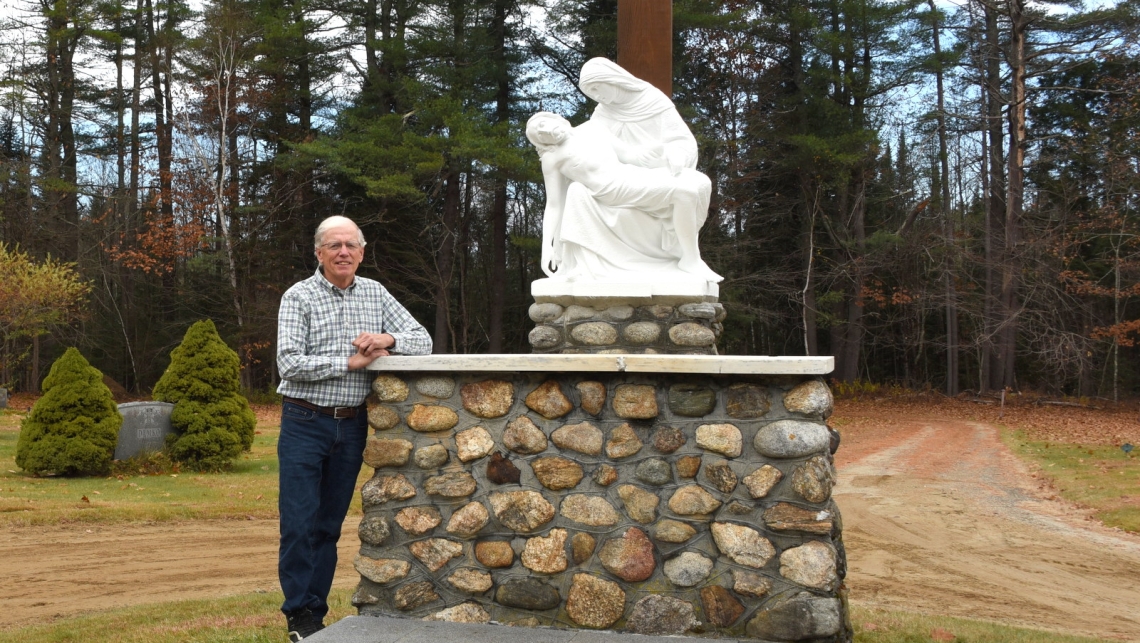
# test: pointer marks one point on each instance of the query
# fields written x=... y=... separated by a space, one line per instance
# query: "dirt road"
x=53 y=572
x=939 y=517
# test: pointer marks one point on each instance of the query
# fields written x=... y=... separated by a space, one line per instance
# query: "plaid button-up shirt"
x=315 y=328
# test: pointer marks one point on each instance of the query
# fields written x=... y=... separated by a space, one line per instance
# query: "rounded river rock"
x=549 y=401
x=389 y=388
x=430 y=418
x=488 y=399
x=594 y=602
x=792 y=439
x=528 y=594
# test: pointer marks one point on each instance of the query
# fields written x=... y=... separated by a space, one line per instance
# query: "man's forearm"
x=415 y=341
x=297 y=367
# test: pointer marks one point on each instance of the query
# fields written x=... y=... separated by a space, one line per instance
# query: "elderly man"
x=330 y=328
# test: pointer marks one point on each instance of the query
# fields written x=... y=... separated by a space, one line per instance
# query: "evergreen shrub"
x=72 y=430
x=212 y=421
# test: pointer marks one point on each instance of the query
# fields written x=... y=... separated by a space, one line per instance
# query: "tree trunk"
x=136 y=91
x=853 y=344
x=52 y=162
x=371 y=60
x=120 y=119
x=808 y=310
x=1015 y=190
x=499 y=207
x=61 y=199
x=995 y=247
x=445 y=257
x=947 y=223
x=463 y=249
x=34 y=383
x=69 y=206
x=306 y=196
x=161 y=127
x=1116 y=316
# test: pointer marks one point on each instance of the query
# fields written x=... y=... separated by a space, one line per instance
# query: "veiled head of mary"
x=620 y=94
x=607 y=83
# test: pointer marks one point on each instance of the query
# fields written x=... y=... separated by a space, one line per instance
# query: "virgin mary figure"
x=590 y=238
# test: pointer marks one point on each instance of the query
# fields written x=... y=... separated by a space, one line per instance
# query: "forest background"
x=941 y=195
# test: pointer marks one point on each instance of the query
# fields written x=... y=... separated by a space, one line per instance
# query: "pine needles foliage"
x=72 y=430
x=212 y=421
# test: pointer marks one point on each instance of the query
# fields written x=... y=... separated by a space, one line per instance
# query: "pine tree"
x=212 y=422
x=73 y=428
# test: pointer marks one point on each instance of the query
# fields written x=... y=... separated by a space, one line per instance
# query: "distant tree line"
x=936 y=195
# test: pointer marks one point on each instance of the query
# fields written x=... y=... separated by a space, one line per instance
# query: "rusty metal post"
x=645 y=41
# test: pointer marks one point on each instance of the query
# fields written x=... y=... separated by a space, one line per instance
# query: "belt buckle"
x=338 y=410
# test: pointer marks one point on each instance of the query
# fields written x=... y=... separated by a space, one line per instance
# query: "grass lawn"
x=248 y=618
x=1101 y=477
x=249 y=490
x=253 y=618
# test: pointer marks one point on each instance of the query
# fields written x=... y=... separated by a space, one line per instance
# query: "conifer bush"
x=212 y=421
x=72 y=430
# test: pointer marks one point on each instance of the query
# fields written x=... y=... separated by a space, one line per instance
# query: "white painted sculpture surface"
x=624 y=202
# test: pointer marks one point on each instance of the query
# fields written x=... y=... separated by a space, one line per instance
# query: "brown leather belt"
x=338 y=412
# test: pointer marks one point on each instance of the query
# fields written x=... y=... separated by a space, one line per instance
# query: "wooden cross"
x=645 y=41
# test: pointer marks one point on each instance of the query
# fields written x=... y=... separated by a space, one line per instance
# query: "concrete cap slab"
x=629 y=363
x=382 y=629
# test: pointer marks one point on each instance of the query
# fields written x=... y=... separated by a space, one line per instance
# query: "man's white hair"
x=336 y=221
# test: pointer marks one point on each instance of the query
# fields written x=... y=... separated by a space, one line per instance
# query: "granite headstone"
x=3 y=398
x=145 y=427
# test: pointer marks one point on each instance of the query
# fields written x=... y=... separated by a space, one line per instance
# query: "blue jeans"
x=319 y=459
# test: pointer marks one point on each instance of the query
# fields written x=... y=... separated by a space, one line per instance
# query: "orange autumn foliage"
x=162 y=241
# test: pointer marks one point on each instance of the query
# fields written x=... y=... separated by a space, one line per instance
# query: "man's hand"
x=368 y=343
x=362 y=360
x=369 y=346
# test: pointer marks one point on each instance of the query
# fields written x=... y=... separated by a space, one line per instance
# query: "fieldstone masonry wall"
x=691 y=328
x=649 y=503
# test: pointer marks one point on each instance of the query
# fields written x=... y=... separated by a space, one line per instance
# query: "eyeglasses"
x=335 y=246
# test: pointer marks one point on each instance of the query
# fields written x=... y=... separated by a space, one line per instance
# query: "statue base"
x=667 y=325
x=672 y=292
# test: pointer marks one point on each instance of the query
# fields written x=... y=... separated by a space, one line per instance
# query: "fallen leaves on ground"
x=939 y=634
x=1111 y=425
x=270 y=413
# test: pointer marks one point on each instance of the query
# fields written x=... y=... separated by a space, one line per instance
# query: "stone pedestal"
x=651 y=494
x=691 y=328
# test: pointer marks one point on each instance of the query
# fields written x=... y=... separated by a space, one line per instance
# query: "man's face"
x=340 y=253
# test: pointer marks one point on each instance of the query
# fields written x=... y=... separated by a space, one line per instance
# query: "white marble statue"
x=624 y=204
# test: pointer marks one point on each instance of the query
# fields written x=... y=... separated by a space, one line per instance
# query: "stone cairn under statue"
x=651 y=487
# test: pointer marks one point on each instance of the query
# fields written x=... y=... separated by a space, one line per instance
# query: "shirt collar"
x=329 y=286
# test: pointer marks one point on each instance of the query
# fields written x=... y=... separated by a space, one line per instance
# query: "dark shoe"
x=302 y=624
